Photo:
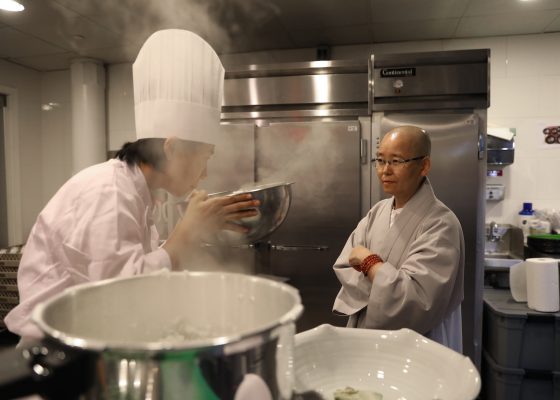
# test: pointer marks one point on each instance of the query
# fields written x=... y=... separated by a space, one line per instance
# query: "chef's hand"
x=357 y=255
x=218 y=213
x=204 y=216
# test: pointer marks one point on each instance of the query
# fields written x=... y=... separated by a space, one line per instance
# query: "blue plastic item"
x=527 y=209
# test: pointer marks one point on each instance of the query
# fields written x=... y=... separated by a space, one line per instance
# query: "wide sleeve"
x=355 y=290
x=110 y=237
x=417 y=295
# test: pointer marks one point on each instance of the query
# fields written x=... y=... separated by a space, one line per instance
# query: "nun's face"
x=186 y=166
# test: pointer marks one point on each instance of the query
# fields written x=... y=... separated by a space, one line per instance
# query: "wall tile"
x=498 y=99
x=533 y=55
x=548 y=177
x=120 y=105
x=549 y=93
x=524 y=184
x=514 y=97
x=56 y=131
x=55 y=87
x=27 y=82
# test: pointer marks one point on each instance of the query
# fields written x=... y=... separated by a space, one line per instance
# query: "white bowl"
x=400 y=365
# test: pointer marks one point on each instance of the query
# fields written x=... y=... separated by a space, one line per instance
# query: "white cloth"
x=420 y=284
x=394 y=213
x=178 y=87
x=97 y=226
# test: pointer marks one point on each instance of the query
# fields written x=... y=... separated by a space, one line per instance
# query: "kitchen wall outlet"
x=494 y=192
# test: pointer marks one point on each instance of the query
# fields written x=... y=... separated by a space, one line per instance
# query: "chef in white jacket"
x=403 y=265
x=99 y=224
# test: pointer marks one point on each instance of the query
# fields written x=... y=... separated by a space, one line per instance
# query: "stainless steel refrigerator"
x=447 y=94
x=322 y=160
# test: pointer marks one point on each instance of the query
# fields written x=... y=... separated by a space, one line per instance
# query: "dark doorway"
x=3 y=191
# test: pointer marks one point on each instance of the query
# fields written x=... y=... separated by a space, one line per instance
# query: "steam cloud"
x=303 y=154
x=220 y=22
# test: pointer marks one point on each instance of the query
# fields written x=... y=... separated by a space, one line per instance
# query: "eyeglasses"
x=395 y=162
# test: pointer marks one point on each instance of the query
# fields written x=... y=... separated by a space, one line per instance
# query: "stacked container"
x=521 y=350
x=9 y=298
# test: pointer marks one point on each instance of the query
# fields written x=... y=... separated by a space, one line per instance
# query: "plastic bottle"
x=526 y=215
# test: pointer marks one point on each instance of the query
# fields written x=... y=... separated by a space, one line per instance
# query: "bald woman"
x=402 y=267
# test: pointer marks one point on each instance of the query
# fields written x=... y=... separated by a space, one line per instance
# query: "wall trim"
x=13 y=173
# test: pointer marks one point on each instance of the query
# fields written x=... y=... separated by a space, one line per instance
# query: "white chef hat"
x=178 y=85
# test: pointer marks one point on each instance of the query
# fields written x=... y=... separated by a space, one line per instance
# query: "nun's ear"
x=426 y=165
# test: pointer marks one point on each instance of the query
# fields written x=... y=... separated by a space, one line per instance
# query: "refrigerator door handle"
x=371 y=82
x=282 y=247
x=363 y=151
x=481 y=145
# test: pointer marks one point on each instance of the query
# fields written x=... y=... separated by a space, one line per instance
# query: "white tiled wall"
x=120 y=105
x=27 y=84
x=56 y=131
x=525 y=95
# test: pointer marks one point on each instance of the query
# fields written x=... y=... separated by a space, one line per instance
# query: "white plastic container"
x=526 y=215
x=539 y=227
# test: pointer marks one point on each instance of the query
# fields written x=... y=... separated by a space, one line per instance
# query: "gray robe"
x=420 y=284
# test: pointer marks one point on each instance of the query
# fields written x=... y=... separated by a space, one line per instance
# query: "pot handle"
x=52 y=370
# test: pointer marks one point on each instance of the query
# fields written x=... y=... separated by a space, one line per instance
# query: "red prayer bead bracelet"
x=369 y=262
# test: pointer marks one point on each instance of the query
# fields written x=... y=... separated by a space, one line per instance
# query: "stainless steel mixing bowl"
x=275 y=200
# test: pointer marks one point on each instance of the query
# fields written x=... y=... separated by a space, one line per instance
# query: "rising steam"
x=220 y=22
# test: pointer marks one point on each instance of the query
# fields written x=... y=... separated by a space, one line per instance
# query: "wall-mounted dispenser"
x=501 y=146
x=494 y=192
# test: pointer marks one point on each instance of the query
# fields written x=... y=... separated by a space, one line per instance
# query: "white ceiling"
x=49 y=33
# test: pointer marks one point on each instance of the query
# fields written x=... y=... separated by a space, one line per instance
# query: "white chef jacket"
x=97 y=226
x=420 y=284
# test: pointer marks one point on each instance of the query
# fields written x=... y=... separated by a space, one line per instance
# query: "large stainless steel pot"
x=201 y=335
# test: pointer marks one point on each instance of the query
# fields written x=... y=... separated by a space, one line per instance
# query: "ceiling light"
x=10 y=5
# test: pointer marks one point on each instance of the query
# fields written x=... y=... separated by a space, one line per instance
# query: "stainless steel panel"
x=308 y=90
x=297 y=68
x=323 y=159
x=425 y=103
x=432 y=58
x=434 y=80
x=457 y=176
x=303 y=89
x=288 y=113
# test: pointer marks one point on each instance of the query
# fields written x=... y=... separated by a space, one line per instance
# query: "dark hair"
x=143 y=151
